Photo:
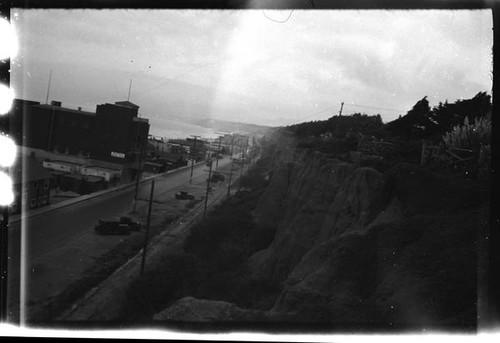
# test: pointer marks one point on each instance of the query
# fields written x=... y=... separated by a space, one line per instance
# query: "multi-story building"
x=119 y=134
x=115 y=133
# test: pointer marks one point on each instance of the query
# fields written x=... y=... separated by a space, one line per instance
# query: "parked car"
x=217 y=177
x=116 y=227
x=134 y=226
x=183 y=195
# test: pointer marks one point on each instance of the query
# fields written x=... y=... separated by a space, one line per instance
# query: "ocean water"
x=172 y=129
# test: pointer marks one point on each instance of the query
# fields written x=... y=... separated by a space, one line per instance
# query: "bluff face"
x=359 y=247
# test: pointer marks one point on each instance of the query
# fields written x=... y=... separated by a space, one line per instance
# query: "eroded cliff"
x=356 y=246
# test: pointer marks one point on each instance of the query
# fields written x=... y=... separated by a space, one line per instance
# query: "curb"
x=66 y=203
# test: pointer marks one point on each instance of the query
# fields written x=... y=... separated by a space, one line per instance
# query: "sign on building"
x=117 y=154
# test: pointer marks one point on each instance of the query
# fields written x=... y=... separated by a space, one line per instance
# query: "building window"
x=44 y=200
x=35 y=184
x=32 y=202
x=46 y=184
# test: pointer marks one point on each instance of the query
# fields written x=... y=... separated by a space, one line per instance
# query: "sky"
x=267 y=67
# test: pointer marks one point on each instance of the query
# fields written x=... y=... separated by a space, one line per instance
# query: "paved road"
x=59 y=245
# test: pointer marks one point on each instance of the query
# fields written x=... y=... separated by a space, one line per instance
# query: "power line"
x=352 y=105
x=377 y=108
x=315 y=114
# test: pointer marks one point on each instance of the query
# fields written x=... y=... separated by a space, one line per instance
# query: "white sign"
x=117 y=154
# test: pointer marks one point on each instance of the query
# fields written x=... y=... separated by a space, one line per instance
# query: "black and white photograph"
x=300 y=169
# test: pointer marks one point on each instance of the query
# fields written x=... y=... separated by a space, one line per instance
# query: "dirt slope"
x=359 y=248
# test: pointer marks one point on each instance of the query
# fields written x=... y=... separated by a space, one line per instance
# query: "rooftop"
x=62 y=162
x=126 y=103
x=64 y=109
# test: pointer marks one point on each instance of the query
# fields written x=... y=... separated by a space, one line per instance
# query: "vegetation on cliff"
x=340 y=134
x=321 y=239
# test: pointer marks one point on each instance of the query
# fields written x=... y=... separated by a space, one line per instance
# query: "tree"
x=416 y=124
x=447 y=116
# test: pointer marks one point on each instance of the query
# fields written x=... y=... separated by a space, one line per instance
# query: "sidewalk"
x=42 y=210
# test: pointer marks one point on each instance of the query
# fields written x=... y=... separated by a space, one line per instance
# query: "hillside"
x=338 y=245
x=229 y=126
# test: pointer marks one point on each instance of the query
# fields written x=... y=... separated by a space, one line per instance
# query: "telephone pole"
x=242 y=165
x=147 y=227
x=341 y=107
x=193 y=156
x=218 y=152
x=231 y=171
x=138 y=178
x=208 y=188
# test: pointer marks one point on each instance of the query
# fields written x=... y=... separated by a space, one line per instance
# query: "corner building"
x=114 y=133
x=119 y=134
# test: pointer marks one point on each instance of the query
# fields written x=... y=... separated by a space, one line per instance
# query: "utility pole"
x=147 y=227
x=208 y=188
x=242 y=165
x=138 y=178
x=341 y=107
x=231 y=171
x=193 y=156
x=218 y=152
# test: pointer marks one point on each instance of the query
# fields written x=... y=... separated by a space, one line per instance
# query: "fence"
x=457 y=159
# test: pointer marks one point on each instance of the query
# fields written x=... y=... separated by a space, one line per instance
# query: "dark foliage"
x=341 y=126
x=416 y=124
x=422 y=122
x=341 y=134
x=449 y=115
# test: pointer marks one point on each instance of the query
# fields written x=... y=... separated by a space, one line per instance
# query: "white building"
x=73 y=168
x=105 y=173
x=61 y=166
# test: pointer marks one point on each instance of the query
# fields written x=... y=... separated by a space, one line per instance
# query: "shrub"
x=474 y=137
x=470 y=136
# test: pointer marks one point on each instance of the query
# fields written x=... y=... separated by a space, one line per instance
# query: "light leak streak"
x=6 y=193
x=8 y=40
x=6 y=99
x=8 y=151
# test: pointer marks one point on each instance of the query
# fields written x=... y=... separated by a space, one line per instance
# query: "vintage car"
x=216 y=177
x=183 y=195
x=116 y=227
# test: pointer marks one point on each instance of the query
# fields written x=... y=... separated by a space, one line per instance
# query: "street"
x=61 y=244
